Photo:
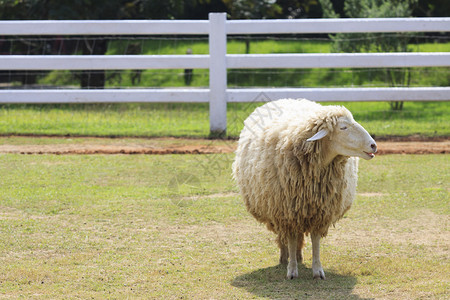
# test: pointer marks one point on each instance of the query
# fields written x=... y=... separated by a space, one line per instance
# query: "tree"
x=374 y=42
x=294 y=9
x=84 y=10
x=252 y=9
x=432 y=8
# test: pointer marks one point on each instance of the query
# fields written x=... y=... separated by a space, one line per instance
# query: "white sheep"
x=296 y=167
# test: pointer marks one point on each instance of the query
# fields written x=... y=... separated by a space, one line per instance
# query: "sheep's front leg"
x=316 y=265
x=292 y=249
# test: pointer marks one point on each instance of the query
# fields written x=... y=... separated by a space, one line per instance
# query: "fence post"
x=217 y=74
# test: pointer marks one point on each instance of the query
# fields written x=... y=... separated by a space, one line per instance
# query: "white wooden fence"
x=218 y=61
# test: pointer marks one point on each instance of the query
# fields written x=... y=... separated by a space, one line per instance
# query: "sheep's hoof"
x=292 y=273
x=319 y=274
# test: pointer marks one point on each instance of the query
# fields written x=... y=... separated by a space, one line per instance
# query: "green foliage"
x=252 y=9
x=374 y=42
x=84 y=10
x=432 y=8
x=328 y=9
x=269 y=9
x=371 y=42
x=107 y=9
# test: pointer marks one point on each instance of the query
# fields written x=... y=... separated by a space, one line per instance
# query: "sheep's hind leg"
x=316 y=265
x=292 y=271
x=284 y=253
x=300 y=245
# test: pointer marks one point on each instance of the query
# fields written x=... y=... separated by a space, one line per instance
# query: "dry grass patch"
x=113 y=227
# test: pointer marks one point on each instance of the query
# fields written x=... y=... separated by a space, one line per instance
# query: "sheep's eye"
x=344 y=127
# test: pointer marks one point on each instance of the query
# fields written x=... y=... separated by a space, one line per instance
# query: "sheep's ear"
x=319 y=135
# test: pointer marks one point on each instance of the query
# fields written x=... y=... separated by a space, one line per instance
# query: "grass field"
x=192 y=120
x=123 y=226
x=258 y=77
x=273 y=77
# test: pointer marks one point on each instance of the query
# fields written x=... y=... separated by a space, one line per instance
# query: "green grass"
x=428 y=119
x=174 y=227
x=423 y=118
x=257 y=77
x=109 y=119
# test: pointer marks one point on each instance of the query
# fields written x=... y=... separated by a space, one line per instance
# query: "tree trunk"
x=247 y=46
x=90 y=78
x=397 y=105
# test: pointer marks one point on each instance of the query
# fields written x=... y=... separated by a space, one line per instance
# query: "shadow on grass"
x=271 y=283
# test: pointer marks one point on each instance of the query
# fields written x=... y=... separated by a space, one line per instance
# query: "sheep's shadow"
x=271 y=283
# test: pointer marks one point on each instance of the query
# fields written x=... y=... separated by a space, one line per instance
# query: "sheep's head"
x=347 y=138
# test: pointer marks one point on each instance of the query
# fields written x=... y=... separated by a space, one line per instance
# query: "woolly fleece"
x=282 y=177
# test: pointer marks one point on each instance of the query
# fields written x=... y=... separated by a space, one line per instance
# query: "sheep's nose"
x=374 y=147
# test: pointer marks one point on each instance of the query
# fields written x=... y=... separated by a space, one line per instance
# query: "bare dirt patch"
x=413 y=147
x=372 y=194
x=35 y=145
x=423 y=229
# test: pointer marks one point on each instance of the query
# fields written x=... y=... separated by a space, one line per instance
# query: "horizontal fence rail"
x=105 y=96
x=338 y=60
x=342 y=94
x=338 y=25
x=233 y=61
x=194 y=95
x=218 y=61
x=103 y=62
x=114 y=27
x=234 y=27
